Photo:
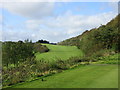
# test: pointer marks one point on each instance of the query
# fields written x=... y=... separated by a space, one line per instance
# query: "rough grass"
x=111 y=59
x=91 y=76
x=58 y=52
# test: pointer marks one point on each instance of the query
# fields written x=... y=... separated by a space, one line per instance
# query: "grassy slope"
x=91 y=76
x=59 y=52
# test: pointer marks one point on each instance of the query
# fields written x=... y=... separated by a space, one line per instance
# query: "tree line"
x=16 y=52
x=45 y=42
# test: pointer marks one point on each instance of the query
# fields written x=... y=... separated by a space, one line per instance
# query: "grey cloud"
x=31 y=10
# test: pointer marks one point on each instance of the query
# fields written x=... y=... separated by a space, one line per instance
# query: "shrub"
x=40 y=48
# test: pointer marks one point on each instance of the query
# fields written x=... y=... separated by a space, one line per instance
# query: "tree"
x=15 y=52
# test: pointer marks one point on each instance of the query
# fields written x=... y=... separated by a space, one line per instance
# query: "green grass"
x=59 y=52
x=91 y=76
x=111 y=59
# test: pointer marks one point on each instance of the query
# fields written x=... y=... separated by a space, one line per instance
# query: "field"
x=59 y=52
x=90 y=76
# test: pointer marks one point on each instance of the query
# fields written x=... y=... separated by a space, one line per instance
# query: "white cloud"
x=1 y=19
x=114 y=6
x=31 y=9
x=32 y=25
x=74 y=23
x=59 y=0
x=59 y=28
x=28 y=0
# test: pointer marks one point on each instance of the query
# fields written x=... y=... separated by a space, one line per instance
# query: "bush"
x=40 y=48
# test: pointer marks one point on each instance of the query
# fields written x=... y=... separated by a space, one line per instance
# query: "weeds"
x=32 y=69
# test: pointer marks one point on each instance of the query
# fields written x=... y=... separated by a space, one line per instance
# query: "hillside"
x=96 y=39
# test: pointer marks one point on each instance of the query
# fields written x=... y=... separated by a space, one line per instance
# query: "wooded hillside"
x=105 y=37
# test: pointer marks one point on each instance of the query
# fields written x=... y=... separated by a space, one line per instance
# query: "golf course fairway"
x=58 y=52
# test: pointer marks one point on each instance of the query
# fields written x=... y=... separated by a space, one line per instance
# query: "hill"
x=105 y=37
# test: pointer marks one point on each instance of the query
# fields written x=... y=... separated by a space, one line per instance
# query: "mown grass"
x=58 y=52
x=90 y=76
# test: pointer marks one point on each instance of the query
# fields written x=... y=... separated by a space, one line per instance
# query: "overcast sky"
x=53 y=21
